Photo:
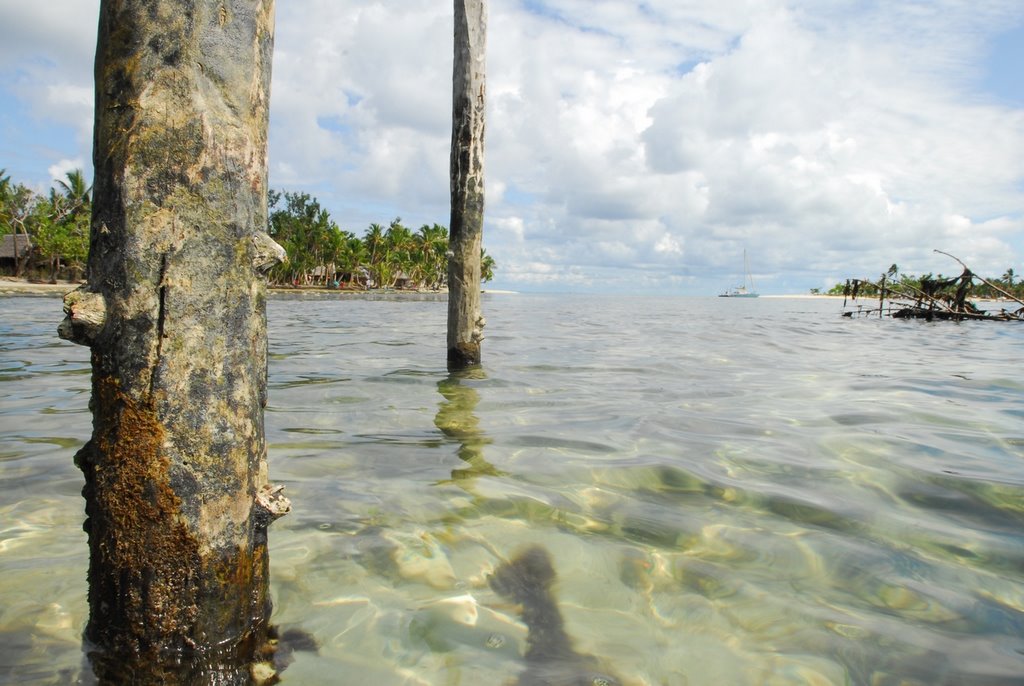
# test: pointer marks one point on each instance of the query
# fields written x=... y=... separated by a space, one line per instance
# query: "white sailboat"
x=742 y=291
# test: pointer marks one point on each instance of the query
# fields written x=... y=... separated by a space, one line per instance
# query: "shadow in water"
x=528 y=577
x=551 y=659
x=457 y=420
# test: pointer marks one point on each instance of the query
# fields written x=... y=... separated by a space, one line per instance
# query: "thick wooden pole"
x=465 y=320
x=176 y=487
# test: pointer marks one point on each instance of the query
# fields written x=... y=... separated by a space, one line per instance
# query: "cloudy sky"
x=631 y=146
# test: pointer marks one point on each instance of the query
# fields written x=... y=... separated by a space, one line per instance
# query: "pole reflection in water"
x=456 y=418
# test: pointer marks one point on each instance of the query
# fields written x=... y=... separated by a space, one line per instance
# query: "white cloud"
x=47 y=50
x=668 y=244
x=59 y=171
x=61 y=32
x=633 y=143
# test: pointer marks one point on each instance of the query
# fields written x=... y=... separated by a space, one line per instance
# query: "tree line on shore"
x=320 y=253
x=51 y=240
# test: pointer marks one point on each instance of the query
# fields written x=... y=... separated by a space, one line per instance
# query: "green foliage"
x=433 y=242
x=57 y=225
x=319 y=252
x=309 y=236
x=487 y=266
x=322 y=254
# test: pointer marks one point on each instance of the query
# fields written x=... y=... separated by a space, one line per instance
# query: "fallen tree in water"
x=932 y=298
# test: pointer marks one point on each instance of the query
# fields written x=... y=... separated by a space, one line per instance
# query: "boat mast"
x=746 y=268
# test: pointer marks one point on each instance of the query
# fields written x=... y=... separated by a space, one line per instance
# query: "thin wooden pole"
x=465 y=319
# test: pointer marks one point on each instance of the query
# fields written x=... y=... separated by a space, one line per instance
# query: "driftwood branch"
x=932 y=300
x=985 y=281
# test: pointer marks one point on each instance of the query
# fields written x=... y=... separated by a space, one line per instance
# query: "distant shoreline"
x=808 y=296
x=12 y=286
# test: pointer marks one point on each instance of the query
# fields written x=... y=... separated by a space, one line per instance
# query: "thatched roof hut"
x=7 y=248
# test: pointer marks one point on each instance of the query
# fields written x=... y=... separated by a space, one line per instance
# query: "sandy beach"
x=12 y=286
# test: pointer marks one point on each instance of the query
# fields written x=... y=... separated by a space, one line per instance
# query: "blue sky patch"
x=1004 y=75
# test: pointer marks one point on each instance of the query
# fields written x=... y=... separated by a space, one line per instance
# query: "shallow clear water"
x=733 y=491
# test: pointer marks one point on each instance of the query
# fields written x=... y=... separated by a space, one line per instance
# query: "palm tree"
x=400 y=248
x=5 y=188
x=432 y=244
x=1008 y=277
x=332 y=252
x=75 y=189
x=374 y=242
x=353 y=255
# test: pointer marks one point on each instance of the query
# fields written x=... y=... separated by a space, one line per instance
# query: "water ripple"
x=778 y=494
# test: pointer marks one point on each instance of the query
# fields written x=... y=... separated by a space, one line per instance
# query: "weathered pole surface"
x=465 y=320
x=176 y=486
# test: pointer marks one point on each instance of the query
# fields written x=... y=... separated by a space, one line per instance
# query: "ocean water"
x=733 y=492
